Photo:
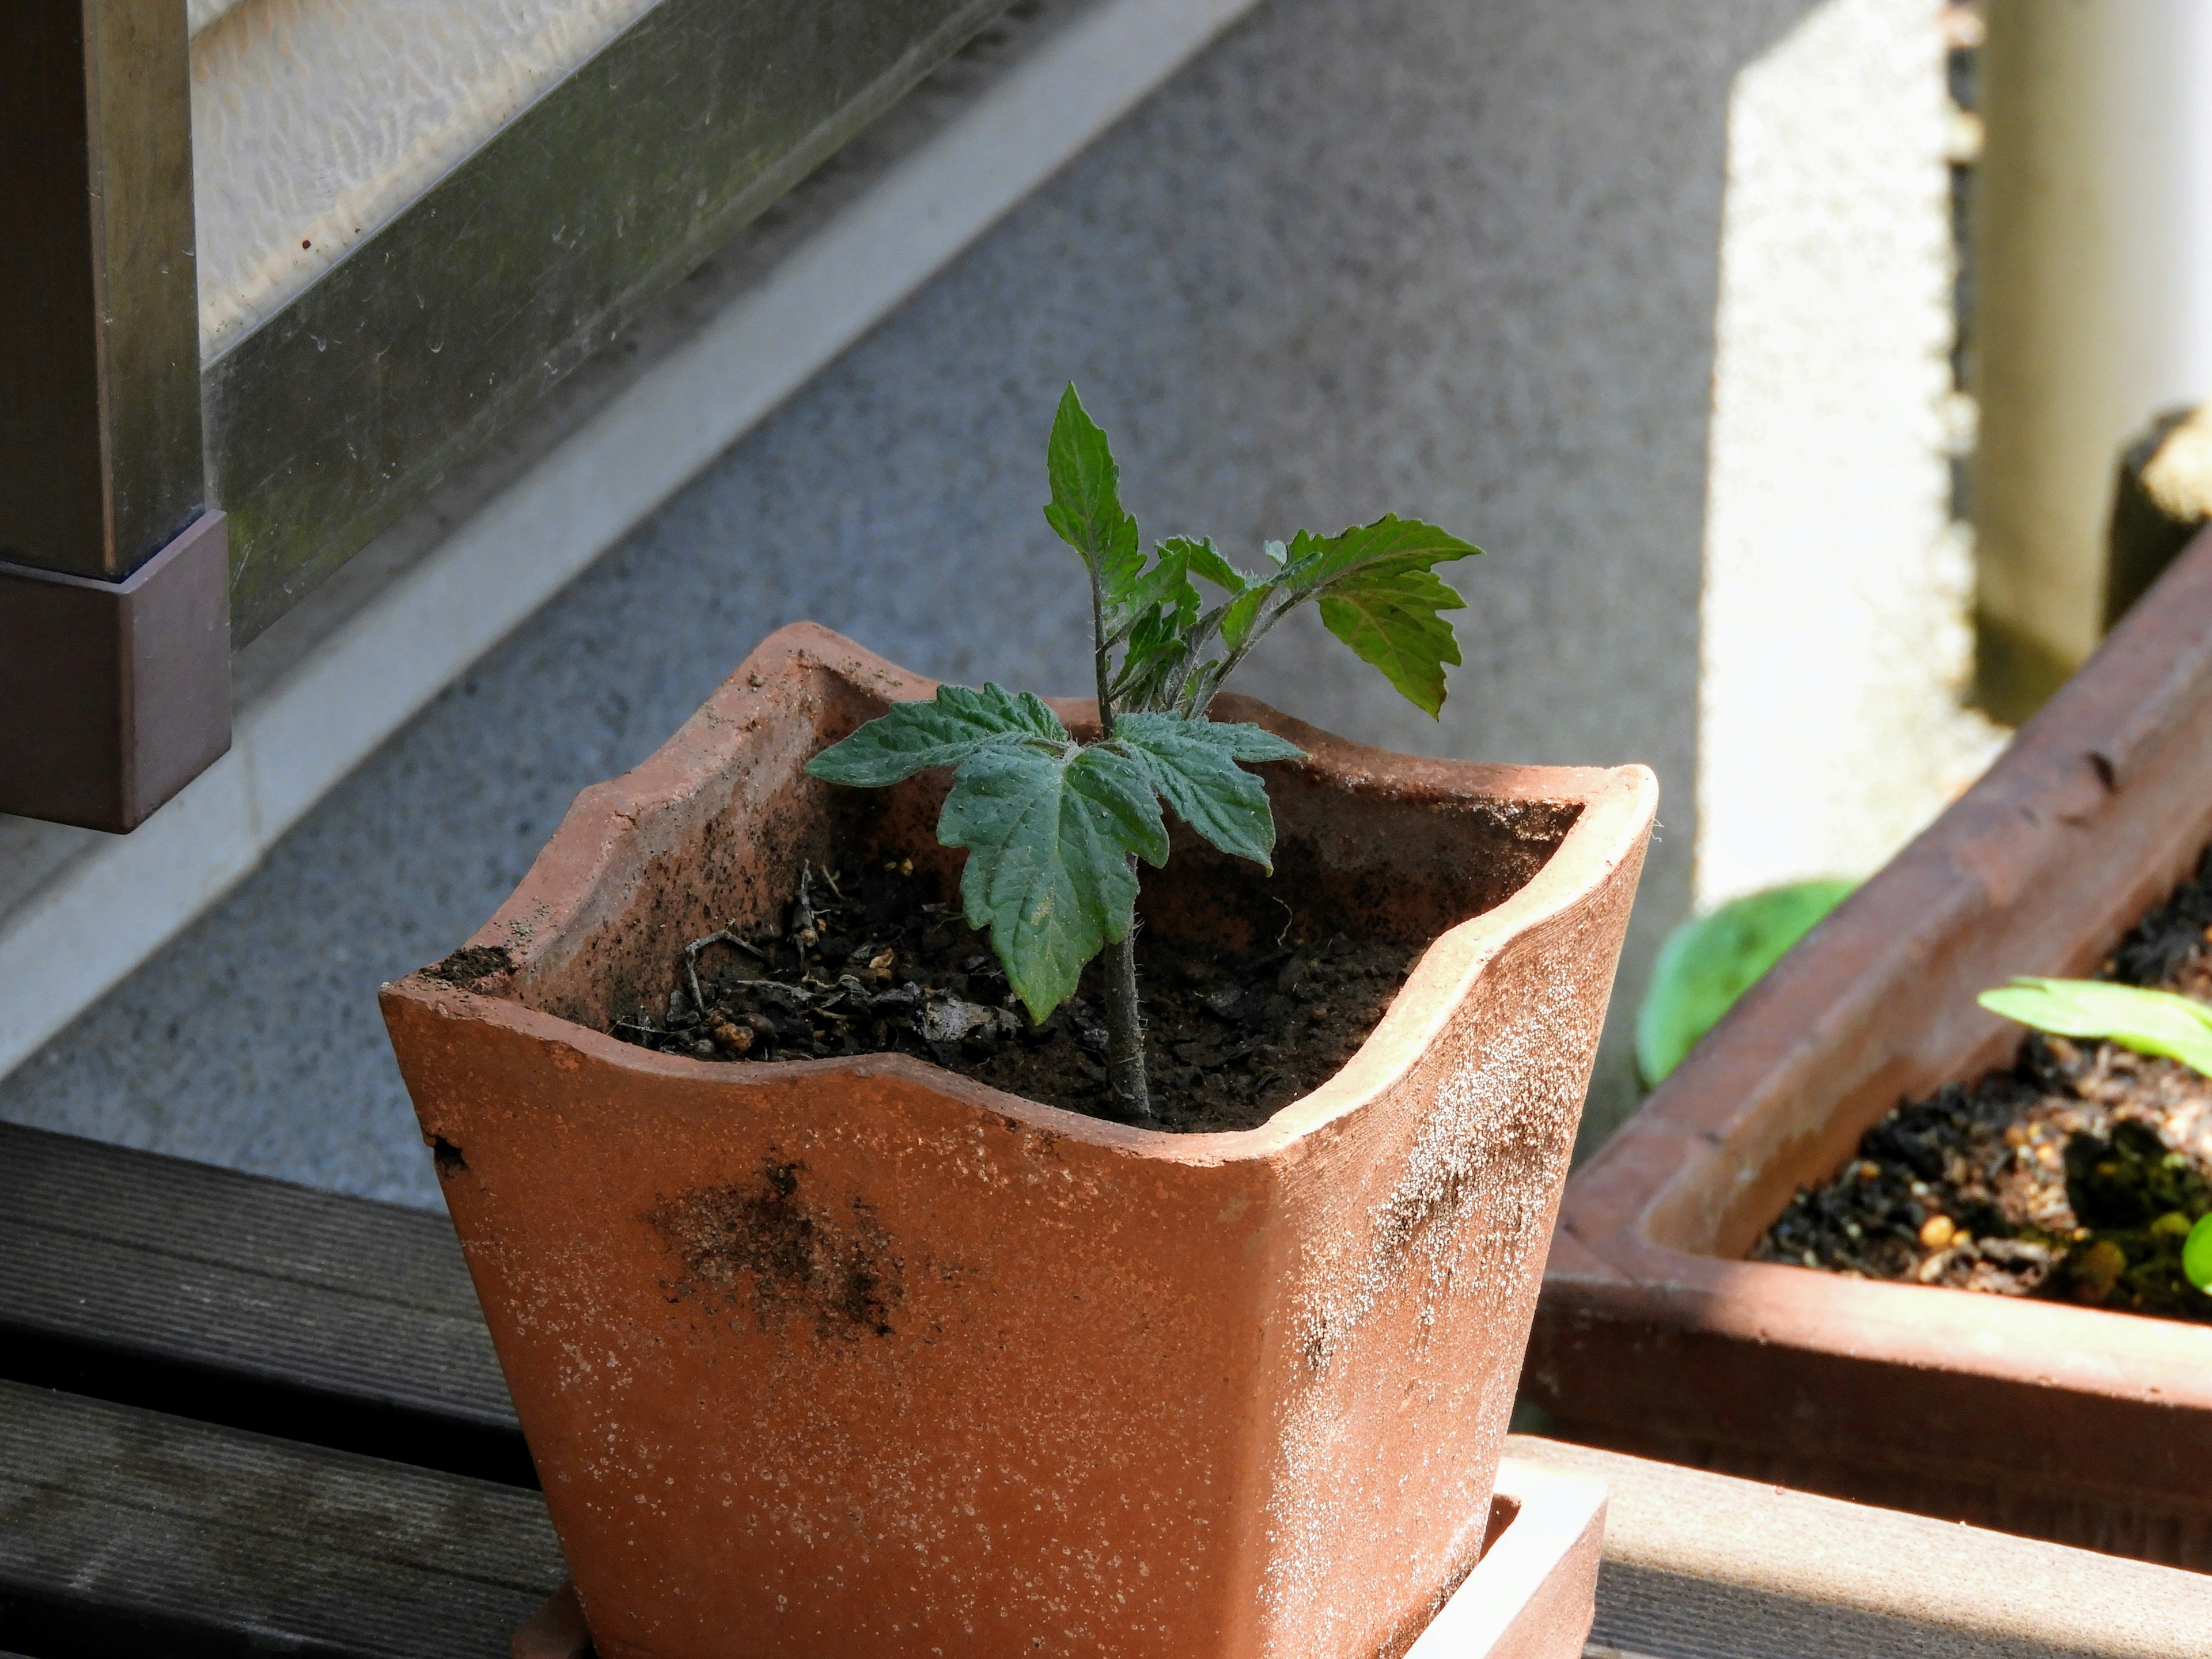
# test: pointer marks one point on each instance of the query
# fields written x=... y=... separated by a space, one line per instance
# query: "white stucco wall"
x=314 y=122
x=1835 y=639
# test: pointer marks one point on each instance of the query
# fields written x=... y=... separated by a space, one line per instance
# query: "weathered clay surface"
x=2067 y=1422
x=859 y=1356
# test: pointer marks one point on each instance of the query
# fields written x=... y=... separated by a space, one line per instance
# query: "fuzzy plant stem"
x=1124 y=1025
x=1125 y=1033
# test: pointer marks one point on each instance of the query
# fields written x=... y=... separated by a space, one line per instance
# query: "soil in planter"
x=877 y=958
x=2075 y=1174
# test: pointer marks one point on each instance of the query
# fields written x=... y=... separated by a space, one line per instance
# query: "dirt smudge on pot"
x=797 y=1260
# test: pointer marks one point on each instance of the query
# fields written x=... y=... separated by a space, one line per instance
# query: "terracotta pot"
x=2062 y=1422
x=857 y=1356
x=1532 y=1595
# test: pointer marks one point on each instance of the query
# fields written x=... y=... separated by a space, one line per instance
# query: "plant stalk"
x=1125 y=1032
x=1125 y=1025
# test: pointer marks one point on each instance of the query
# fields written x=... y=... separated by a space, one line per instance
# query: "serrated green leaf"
x=1204 y=559
x=1243 y=610
x=1086 y=509
x=1164 y=588
x=914 y=737
x=1247 y=742
x=1155 y=647
x=1156 y=625
x=1390 y=619
x=1193 y=764
x=2149 y=1022
x=1390 y=543
x=1049 y=844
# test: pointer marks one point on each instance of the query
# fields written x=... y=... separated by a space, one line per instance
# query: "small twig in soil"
x=774 y=990
x=802 y=915
x=727 y=936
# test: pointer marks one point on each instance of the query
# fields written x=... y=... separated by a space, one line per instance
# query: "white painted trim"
x=105 y=907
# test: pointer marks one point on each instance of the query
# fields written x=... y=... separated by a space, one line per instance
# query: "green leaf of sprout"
x=1390 y=543
x=1049 y=844
x=914 y=737
x=1086 y=509
x=1155 y=648
x=1193 y=764
x=1164 y=591
x=1709 y=961
x=2148 y=1022
x=1205 y=560
x=1379 y=594
x=1052 y=830
x=1166 y=585
x=2197 y=1253
x=1243 y=610
x=1391 y=621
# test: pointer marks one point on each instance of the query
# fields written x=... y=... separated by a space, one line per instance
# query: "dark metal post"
x=104 y=531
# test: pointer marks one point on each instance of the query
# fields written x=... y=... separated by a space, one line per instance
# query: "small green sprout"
x=2148 y=1022
x=1054 y=827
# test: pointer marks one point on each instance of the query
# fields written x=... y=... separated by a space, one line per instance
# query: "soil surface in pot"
x=877 y=958
x=2075 y=1174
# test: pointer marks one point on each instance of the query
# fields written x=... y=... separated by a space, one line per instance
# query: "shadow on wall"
x=1457 y=260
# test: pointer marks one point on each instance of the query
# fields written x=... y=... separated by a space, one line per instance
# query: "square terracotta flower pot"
x=1532 y=1595
x=858 y=1356
x=2068 y=1423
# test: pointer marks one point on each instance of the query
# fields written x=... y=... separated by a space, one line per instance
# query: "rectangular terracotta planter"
x=1654 y=1335
x=858 y=1356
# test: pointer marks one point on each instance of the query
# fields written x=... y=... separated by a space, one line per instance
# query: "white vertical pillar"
x=2093 y=297
x=1834 y=634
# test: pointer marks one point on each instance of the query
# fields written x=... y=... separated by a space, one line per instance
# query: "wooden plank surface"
x=255 y=1305
x=121 y=1526
x=1707 y=1567
x=246 y=1301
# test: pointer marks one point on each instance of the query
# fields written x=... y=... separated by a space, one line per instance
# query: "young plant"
x=1054 y=827
x=2148 y=1022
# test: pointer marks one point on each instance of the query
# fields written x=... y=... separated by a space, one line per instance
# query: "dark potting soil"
x=2075 y=1174
x=877 y=958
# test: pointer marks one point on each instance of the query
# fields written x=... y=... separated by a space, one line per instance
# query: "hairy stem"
x=1267 y=619
x=1101 y=655
x=1125 y=1026
x=1125 y=1033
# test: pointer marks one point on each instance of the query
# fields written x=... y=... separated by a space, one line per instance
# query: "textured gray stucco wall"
x=1456 y=259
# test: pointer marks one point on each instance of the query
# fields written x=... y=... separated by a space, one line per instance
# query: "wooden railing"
x=316 y=427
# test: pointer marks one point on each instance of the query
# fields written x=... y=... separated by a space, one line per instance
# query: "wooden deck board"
x=254 y=1303
x=1707 y=1567
x=118 y=1522
x=200 y=1306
